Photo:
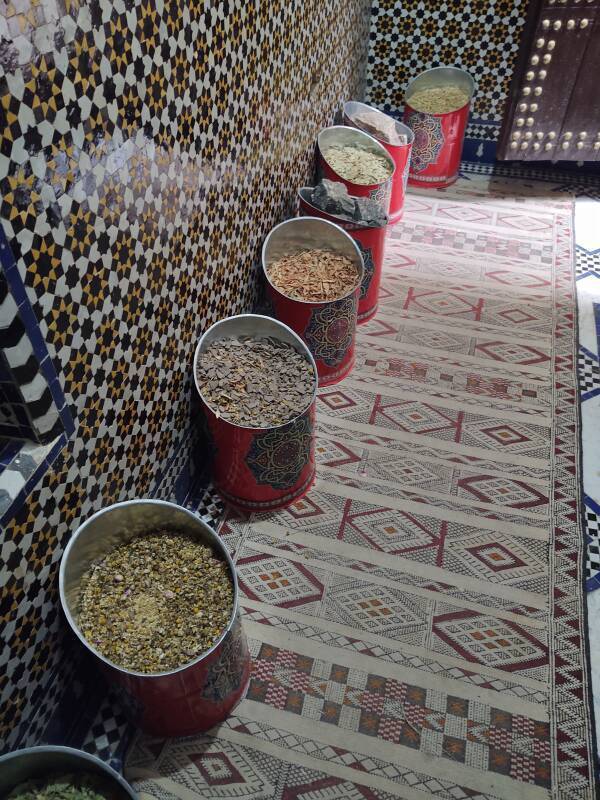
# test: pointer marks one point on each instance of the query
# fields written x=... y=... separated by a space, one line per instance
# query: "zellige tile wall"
x=409 y=36
x=147 y=148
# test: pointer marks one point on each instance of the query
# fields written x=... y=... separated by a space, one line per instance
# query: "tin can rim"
x=406 y=131
x=376 y=146
x=360 y=225
x=301 y=348
x=81 y=755
x=218 y=546
x=338 y=229
x=465 y=76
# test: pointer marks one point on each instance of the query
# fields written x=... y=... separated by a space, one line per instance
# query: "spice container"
x=347 y=143
x=438 y=141
x=192 y=697
x=260 y=468
x=49 y=761
x=327 y=328
x=397 y=140
x=371 y=243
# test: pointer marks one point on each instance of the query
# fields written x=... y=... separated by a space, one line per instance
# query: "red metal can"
x=181 y=701
x=261 y=469
x=371 y=243
x=342 y=136
x=399 y=152
x=438 y=142
x=328 y=329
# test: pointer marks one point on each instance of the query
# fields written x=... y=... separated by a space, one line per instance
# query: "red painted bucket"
x=371 y=243
x=399 y=152
x=438 y=142
x=328 y=329
x=182 y=701
x=341 y=136
x=261 y=469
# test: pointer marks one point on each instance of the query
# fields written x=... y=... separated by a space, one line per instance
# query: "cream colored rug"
x=416 y=622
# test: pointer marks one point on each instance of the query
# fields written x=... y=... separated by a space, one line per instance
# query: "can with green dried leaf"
x=150 y=589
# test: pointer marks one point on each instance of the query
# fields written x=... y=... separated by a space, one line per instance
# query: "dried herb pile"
x=317 y=275
x=357 y=165
x=156 y=602
x=381 y=126
x=256 y=382
x=438 y=99
x=62 y=787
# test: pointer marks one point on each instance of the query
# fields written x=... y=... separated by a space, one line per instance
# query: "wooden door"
x=553 y=111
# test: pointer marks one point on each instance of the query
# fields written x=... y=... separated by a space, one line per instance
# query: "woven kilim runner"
x=417 y=621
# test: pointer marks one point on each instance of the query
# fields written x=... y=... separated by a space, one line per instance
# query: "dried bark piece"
x=381 y=126
x=313 y=275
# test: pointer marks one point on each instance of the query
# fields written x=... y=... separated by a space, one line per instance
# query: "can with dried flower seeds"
x=176 y=702
x=437 y=147
x=377 y=185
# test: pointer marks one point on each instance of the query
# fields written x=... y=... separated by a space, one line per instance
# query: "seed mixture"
x=438 y=99
x=256 y=382
x=381 y=126
x=156 y=602
x=61 y=787
x=357 y=165
x=317 y=275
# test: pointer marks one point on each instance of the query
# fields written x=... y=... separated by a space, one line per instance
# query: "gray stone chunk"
x=333 y=198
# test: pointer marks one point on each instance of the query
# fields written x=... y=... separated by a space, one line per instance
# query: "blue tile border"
x=40 y=363
x=30 y=322
x=33 y=479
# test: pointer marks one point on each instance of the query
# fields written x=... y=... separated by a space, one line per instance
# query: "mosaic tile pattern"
x=148 y=147
x=407 y=37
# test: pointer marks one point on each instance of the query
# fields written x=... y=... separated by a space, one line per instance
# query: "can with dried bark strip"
x=328 y=328
x=371 y=243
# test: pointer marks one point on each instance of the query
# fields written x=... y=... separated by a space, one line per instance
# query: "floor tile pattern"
x=588 y=299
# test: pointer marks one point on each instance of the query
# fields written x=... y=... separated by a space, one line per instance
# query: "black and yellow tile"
x=409 y=36
x=148 y=148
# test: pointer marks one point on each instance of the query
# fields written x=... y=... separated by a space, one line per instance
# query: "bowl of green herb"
x=59 y=773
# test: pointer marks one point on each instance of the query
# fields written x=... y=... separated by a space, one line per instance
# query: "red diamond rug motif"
x=417 y=621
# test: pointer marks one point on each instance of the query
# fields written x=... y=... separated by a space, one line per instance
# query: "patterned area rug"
x=417 y=621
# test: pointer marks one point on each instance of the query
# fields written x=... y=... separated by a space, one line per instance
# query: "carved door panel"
x=553 y=111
